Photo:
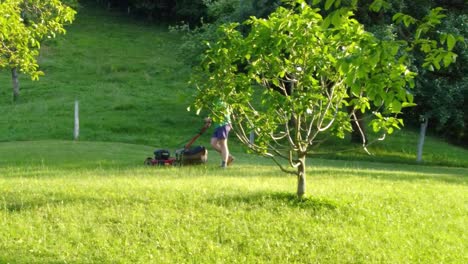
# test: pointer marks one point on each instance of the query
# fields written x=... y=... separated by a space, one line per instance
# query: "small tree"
x=23 y=25
x=298 y=77
x=293 y=77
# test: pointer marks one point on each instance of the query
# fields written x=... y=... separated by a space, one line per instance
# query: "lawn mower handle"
x=202 y=130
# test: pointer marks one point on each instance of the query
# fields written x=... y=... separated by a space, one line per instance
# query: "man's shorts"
x=222 y=132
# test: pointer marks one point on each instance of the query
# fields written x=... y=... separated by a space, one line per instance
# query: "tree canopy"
x=292 y=78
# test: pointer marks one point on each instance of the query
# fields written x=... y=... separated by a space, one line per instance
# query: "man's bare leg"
x=220 y=145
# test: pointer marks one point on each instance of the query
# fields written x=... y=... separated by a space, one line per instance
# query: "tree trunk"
x=301 y=177
x=16 y=87
x=422 y=134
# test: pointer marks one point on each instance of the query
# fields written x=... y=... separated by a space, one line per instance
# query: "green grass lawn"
x=93 y=201
x=84 y=202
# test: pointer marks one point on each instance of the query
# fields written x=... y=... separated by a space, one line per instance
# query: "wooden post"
x=76 y=131
x=252 y=137
x=424 y=121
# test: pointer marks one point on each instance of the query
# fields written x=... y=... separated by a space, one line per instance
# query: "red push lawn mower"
x=186 y=156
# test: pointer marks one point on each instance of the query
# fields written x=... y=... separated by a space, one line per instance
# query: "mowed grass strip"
x=52 y=211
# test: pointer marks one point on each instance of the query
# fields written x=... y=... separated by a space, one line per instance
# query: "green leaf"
x=410 y=97
x=316 y=2
x=397 y=17
x=328 y=4
x=336 y=18
x=436 y=64
x=451 y=41
x=396 y=106
x=275 y=82
x=426 y=48
x=443 y=38
x=407 y=21
x=406 y=104
x=326 y=22
x=418 y=33
x=447 y=60
x=337 y=3
x=344 y=67
x=376 y=6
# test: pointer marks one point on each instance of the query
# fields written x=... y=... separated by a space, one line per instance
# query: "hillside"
x=125 y=74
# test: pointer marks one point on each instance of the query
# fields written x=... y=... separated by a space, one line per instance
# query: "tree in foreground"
x=24 y=24
x=294 y=77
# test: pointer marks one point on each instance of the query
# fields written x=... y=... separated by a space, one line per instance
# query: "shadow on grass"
x=27 y=256
x=274 y=200
x=18 y=206
x=15 y=204
x=396 y=173
x=449 y=179
x=376 y=171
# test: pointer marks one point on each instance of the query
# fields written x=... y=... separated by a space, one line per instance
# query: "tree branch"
x=281 y=166
x=363 y=137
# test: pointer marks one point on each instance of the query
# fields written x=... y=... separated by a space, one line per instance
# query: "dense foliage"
x=439 y=95
x=440 y=92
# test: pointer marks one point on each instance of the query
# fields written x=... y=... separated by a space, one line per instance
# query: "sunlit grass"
x=114 y=211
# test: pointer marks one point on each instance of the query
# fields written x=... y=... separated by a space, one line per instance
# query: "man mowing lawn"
x=219 y=140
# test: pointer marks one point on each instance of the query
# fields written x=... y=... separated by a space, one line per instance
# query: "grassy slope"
x=125 y=75
x=83 y=202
